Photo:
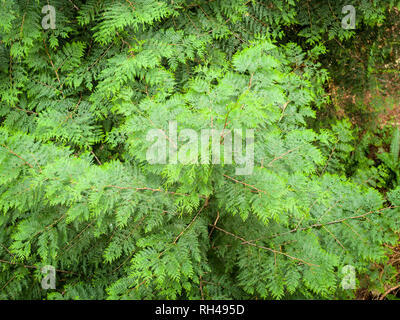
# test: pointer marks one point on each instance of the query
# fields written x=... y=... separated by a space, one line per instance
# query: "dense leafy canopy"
x=77 y=191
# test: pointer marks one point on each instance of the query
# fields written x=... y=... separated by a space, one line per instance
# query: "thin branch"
x=318 y=225
x=244 y=241
x=283 y=110
x=53 y=67
x=8 y=282
x=75 y=6
x=34 y=267
x=327 y=162
x=18 y=156
x=281 y=156
x=214 y=224
x=389 y=291
x=150 y=189
x=97 y=159
x=245 y=184
x=6 y=249
x=336 y=239
x=27 y=111
x=193 y=220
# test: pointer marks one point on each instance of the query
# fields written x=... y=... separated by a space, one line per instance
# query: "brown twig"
x=214 y=224
x=244 y=241
x=281 y=156
x=245 y=184
x=318 y=225
x=389 y=291
x=18 y=156
x=53 y=67
x=34 y=267
x=191 y=222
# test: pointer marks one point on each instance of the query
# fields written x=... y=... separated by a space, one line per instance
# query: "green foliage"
x=77 y=190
